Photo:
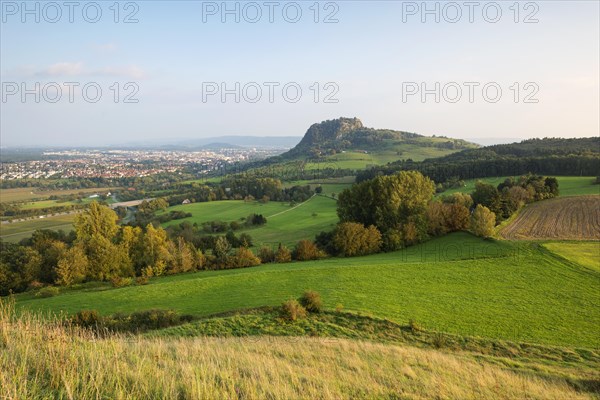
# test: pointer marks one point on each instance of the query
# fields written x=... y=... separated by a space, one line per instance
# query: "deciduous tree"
x=483 y=221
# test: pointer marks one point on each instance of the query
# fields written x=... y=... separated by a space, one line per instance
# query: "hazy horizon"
x=170 y=71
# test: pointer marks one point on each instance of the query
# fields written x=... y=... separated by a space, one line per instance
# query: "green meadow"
x=586 y=254
x=285 y=224
x=457 y=284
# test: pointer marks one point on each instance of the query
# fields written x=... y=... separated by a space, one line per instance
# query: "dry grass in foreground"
x=46 y=360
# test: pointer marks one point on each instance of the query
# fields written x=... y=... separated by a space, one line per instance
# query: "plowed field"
x=561 y=218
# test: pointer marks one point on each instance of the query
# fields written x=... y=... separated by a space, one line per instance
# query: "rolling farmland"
x=571 y=218
x=458 y=284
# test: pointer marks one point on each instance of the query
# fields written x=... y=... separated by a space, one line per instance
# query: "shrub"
x=266 y=254
x=141 y=280
x=152 y=319
x=136 y=322
x=311 y=301
x=244 y=257
x=256 y=220
x=35 y=285
x=414 y=326
x=439 y=340
x=245 y=240
x=48 y=291
x=283 y=254
x=307 y=250
x=291 y=310
x=118 y=282
x=87 y=319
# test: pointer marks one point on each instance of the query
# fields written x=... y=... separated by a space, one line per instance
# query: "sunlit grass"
x=41 y=358
x=458 y=284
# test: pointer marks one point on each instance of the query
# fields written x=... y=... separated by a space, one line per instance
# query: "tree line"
x=394 y=211
x=99 y=249
x=383 y=214
x=443 y=170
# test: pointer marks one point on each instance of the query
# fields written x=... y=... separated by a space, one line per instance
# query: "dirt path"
x=293 y=208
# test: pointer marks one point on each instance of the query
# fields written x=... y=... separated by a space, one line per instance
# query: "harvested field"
x=569 y=218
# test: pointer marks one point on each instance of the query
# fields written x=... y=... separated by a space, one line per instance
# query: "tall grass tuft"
x=42 y=357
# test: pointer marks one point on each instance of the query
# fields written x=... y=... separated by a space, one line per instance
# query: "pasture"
x=568 y=218
x=285 y=224
x=457 y=284
x=15 y=231
x=586 y=254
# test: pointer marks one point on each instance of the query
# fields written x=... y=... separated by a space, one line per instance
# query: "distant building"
x=186 y=201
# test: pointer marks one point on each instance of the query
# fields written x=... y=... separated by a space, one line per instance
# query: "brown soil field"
x=568 y=218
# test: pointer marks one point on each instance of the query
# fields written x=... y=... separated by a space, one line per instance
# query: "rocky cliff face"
x=327 y=132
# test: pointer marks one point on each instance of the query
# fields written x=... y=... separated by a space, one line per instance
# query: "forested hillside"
x=577 y=157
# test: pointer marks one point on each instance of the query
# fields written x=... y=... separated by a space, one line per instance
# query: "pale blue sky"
x=368 y=55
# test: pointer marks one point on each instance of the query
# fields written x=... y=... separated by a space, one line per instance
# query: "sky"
x=106 y=72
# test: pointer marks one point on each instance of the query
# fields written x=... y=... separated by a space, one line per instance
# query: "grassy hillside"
x=458 y=284
x=285 y=224
x=358 y=160
x=42 y=359
x=586 y=254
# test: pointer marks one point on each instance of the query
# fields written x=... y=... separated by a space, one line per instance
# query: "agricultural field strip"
x=561 y=218
x=32 y=231
x=28 y=195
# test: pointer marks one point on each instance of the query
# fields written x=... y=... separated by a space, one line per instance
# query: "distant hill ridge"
x=350 y=134
x=548 y=156
x=531 y=148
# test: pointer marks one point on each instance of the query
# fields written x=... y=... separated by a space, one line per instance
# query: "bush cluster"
x=309 y=302
x=136 y=322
